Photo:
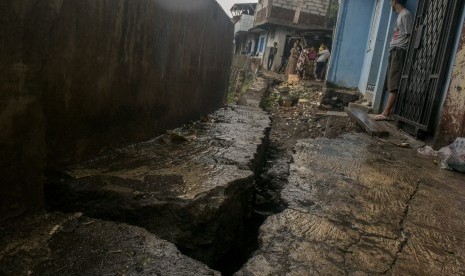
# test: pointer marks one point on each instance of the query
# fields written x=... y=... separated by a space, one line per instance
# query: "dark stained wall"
x=79 y=77
x=452 y=122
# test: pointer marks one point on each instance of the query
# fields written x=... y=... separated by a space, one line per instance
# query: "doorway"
x=428 y=58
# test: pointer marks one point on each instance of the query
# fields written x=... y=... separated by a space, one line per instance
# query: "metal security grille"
x=427 y=61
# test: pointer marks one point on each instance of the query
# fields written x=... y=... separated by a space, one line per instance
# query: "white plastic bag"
x=427 y=151
x=452 y=157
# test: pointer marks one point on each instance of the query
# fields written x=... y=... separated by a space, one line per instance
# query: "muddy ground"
x=307 y=118
x=305 y=193
x=181 y=187
x=352 y=204
x=297 y=113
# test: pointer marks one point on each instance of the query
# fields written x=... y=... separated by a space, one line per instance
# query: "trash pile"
x=451 y=157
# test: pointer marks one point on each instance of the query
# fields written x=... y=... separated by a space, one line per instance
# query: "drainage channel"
x=206 y=187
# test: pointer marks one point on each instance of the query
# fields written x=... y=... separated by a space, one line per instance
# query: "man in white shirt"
x=397 y=53
x=323 y=57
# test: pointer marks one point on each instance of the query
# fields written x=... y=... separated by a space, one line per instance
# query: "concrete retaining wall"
x=80 y=77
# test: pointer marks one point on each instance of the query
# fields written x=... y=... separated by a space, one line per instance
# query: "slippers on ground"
x=382 y=117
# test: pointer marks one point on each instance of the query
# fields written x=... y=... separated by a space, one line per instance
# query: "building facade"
x=430 y=103
x=284 y=21
x=245 y=39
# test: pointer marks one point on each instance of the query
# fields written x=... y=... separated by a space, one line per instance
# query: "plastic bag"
x=452 y=157
x=427 y=151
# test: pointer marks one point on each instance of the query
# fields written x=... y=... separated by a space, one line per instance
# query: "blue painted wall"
x=350 y=40
x=374 y=52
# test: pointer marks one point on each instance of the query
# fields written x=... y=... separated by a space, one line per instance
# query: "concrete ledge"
x=373 y=127
x=193 y=187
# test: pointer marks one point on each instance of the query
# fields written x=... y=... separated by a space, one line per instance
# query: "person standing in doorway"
x=272 y=54
x=397 y=54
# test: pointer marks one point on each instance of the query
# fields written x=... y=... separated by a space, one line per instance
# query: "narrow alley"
x=124 y=155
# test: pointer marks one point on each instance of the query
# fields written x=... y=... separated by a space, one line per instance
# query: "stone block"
x=194 y=193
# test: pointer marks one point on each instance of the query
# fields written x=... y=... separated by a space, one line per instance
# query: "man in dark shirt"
x=271 y=55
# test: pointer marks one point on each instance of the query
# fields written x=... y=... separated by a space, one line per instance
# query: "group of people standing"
x=307 y=62
x=302 y=60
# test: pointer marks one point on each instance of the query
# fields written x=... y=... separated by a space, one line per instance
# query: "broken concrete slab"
x=196 y=194
x=356 y=206
x=371 y=126
x=57 y=244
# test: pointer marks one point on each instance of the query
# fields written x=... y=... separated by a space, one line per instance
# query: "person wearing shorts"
x=397 y=54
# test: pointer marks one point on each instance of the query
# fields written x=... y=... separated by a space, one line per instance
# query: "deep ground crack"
x=404 y=236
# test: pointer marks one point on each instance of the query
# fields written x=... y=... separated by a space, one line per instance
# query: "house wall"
x=261 y=11
x=350 y=40
x=315 y=7
x=378 y=49
x=262 y=42
x=244 y=24
x=452 y=115
x=373 y=49
x=253 y=39
x=287 y=12
x=79 y=77
x=278 y=35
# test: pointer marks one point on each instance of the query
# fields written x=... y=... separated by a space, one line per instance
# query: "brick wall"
x=312 y=12
x=283 y=13
x=317 y=7
x=312 y=19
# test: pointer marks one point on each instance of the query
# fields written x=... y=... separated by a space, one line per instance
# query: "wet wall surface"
x=81 y=77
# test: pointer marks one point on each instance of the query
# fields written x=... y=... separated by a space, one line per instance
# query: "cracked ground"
x=356 y=205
